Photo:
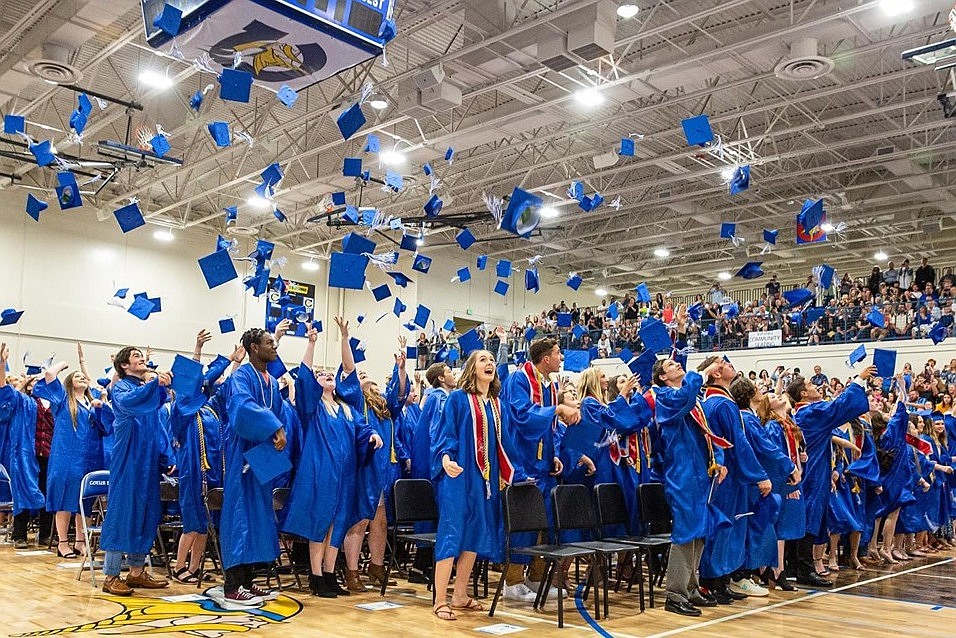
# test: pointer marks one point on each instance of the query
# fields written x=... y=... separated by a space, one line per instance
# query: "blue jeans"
x=113 y=562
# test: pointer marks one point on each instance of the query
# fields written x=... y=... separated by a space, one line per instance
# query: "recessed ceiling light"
x=165 y=234
x=589 y=97
x=392 y=157
x=378 y=103
x=662 y=252
x=548 y=212
x=896 y=7
x=258 y=202
x=155 y=79
x=600 y=292
x=628 y=10
x=310 y=265
x=880 y=256
x=724 y=276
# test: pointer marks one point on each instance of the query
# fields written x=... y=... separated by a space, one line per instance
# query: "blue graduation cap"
x=481 y=262
x=318 y=326
x=13 y=124
x=338 y=198
x=43 y=153
x=731 y=310
x=740 y=180
x=220 y=133
x=347 y=270
x=938 y=334
x=728 y=230
x=814 y=314
x=421 y=316
x=372 y=144
x=564 y=319
x=654 y=335
x=576 y=361
x=351 y=120
x=464 y=274
x=627 y=147
x=798 y=296
x=421 y=263
x=169 y=20
x=427 y=169
x=356 y=244
x=227 y=325
x=625 y=355
x=809 y=220
x=68 y=192
x=521 y=357
x=400 y=279
x=142 y=308
x=578 y=331
x=826 y=276
x=287 y=95
x=858 y=354
x=593 y=202
x=697 y=130
x=10 y=316
x=433 y=206
x=358 y=353
x=409 y=242
x=876 y=318
x=643 y=294
x=574 y=281
x=159 y=144
x=502 y=288
x=576 y=191
x=266 y=462
x=523 y=214
x=465 y=239
x=885 y=362
x=531 y=281
x=81 y=114
x=352 y=167
x=235 y=85
x=503 y=269
x=770 y=236
x=129 y=217
x=449 y=154
x=695 y=311
x=766 y=510
x=449 y=325
x=613 y=313
x=232 y=213
x=643 y=366
x=35 y=207
x=351 y=214
x=270 y=177
x=381 y=292
x=469 y=342
x=750 y=270
x=195 y=102
x=398 y=308
x=187 y=375
x=530 y=334
x=396 y=182
x=156 y=301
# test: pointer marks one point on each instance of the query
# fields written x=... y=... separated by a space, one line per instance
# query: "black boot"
x=320 y=587
x=333 y=582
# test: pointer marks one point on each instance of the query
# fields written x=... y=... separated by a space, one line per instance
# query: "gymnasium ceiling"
x=868 y=136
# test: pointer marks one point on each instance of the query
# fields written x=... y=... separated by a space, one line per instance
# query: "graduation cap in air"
x=220 y=133
x=338 y=198
x=731 y=310
x=156 y=301
x=809 y=220
x=421 y=316
x=43 y=153
x=270 y=177
x=142 y=308
x=347 y=270
x=287 y=95
x=421 y=263
x=697 y=130
x=235 y=85
x=169 y=20
x=372 y=144
x=68 y=192
x=814 y=314
x=398 y=308
x=885 y=362
x=728 y=230
x=449 y=155
x=695 y=311
x=798 y=296
x=266 y=462
x=10 y=316
x=593 y=202
x=502 y=288
x=578 y=331
x=13 y=124
x=464 y=274
x=858 y=354
x=576 y=191
x=503 y=269
x=129 y=217
x=465 y=239
x=750 y=270
x=530 y=334
x=469 y=342
x=654 y=335
x=187 y=376
x=643 y=294
x=227 y=325
x=400 y=279
x=35 y=207
x=564 y=319
x=351 y=120
x=232 y=213
x=352 y=167
x=433 y=206
x=531 y=280
x=740 y=181
x=357 y=244
x=938 y=334
x=576 y=361
x=523 y=214
x=824 y=275
x=160 y=144
x=381 y=292
x=613 y=313
x=351 y=214
x=574 y=281
x=876 y=318
x=627 y=147
x=643 y=366
x=81 y=114
x=770 y=236
x=396 y=182
x=481 y=262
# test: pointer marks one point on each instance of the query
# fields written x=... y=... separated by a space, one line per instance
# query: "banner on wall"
x=766 y=339
x=296 y=305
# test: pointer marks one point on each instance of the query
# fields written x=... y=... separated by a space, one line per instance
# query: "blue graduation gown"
x=896 y=478
x=407 y=425
x=18 y=426
x=134 y=507
x=686 y=459
x=470 y=515
x=427 y=431
x=75 y=450
x=866 y=476
x=254 y=411
x=844 y=504
x=377 y=469
x=725 y=549
x=792 y=518
x=913 y=516
x=817 y=421
x=323 y=488
x=762 y=542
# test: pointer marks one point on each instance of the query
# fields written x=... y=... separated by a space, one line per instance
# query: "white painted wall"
x=64 y=269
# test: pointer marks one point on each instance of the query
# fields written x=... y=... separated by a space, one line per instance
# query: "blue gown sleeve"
x=826 y=415
x=249 y=420
x=141 y=400
x=54 y=392
x=215 y=370
x=445 y=439
x=509 y=443
x=363 y=431
x=102 y=420
x=349 y=389
x=308 y=394
x=894 y=438
x=766 y=450
x=530 y=422
x=745 y=461
x=393 y=399
x=676 y=403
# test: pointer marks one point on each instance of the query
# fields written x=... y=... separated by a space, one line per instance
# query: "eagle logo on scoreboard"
x=268 y=53
x=202 y=618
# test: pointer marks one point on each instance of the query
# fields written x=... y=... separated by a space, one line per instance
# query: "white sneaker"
x=552 y=593
x=747 y=587
x=520 y=592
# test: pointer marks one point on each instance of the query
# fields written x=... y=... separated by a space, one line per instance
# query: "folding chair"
x=213 y=503
x=414 y=501
x=6 y=501
x=94 y=487
x=612 y=510
x=524 y=512
x=657 y=522
x=169 y=493
x=279 y=497
x=573 y=511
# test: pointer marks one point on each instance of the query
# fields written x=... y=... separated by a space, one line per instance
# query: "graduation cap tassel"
x=385 y=261
x=435 y=184
x=766 y=249
x=367 y=90
x=533 y=261
x=495 y=206
x=236 y=59
x=242 y=136
x=203 y=64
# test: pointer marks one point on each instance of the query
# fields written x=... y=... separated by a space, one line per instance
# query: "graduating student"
x=531 y=400
x=693 y=464
x=724 y=551
x=323 y=489
x=843 y=515
x=473 y=454
x=135 y=465
x=817 y=418
x=407 y=421
x=380 y=469
x=255 y=438
x=18 y=417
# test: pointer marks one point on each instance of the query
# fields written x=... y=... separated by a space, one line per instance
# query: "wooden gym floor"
x=41 y=598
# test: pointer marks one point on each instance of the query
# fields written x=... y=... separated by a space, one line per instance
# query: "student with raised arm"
x=323 y=488
x=135 y=465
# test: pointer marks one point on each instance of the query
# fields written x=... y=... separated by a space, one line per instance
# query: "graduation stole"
x=393 y=458
x=792 y=449
x=536 y=383
x=698 y=415
x=480 y=429
x=919 y=444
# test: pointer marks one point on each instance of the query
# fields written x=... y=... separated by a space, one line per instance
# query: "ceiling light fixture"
x=662 y=252
x=392 y=157
x=164 y=235
x=548 y=212
x=896 y=7
x=378 y=103
x=589 y=97
x=155 y=79
x=310 y=265
x=600 y=292
x=724 y=276
x=258 y=202
x=627 y=10
x=880 y=256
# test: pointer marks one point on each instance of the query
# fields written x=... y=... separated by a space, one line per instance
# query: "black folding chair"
x=524 y=512
x=612 y=510
x=414 y=501
x=168 y=493
x=213 y=502
x=657 y=522
x=573 y=511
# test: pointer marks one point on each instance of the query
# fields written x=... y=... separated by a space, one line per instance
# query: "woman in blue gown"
x=18 y=417
x=322 y=494
x=473 y=459
x=76 y=450
x=844 y=510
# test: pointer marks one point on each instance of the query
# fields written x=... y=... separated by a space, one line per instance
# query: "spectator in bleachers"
x=925 y=274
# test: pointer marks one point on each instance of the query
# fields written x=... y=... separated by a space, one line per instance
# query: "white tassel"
x=236 y=59
x=242 y=136
x=495 y=206
x=384 y=261
x=533 y=261
x=616 y=203
x=435 y=184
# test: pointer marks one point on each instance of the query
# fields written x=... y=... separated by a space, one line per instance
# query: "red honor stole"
x=480 y=425
x=698 y=415
x=918 y=443
x=536 y=382
x=793 y=450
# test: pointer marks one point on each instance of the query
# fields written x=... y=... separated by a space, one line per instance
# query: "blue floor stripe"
x=582 y=610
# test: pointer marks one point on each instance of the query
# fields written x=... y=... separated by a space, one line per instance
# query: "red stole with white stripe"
x=701 y=418
x=480 y=423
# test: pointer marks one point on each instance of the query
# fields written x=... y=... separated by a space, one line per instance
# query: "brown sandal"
x=471 y=605
x=444 y=612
